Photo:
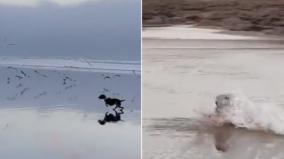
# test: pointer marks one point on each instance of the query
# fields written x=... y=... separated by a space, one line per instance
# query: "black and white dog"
x=111 y=101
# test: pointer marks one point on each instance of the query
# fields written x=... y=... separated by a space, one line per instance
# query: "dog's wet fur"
x=111 y=101
x=111 y=118
x=222 y=101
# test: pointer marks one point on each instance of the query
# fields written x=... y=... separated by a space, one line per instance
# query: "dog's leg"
x=118 y=104
x=121 y=110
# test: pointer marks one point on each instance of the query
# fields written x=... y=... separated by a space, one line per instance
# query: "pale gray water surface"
x=49 y=113
x=182 y=75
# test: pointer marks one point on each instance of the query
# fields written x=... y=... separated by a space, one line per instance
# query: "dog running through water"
x=223 y=101
x=111 y=101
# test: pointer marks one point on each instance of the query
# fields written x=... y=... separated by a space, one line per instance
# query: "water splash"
x=241 y=112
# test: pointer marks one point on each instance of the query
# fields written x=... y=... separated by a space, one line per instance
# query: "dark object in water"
x=117 y=75
x=111 y=101
x=43 y=75
x=23 y=73
x=109 y=117
x=19 y=77
x=8 y=80
x=106 y=76
x=24 y=90
x=221 y=147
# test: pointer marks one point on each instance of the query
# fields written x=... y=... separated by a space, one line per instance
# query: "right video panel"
x=213 y=79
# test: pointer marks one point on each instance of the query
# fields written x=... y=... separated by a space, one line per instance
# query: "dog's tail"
x=122 y=100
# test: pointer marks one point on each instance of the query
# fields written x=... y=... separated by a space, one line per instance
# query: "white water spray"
x=238 y=110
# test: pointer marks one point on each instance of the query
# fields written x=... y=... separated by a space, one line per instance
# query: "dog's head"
x=222 y=101
x=102 y=96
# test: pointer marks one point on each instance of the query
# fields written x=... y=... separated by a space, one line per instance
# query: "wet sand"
x=188 y=72
x=53 y=111
x=183 y=138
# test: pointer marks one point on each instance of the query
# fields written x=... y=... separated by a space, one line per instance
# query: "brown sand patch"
x=237 y=15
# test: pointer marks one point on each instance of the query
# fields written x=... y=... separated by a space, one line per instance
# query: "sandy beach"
x=184 y=70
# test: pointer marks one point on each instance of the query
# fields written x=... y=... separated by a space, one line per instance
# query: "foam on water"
x=243 y=113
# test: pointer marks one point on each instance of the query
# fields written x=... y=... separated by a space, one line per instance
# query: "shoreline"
x=247 y=35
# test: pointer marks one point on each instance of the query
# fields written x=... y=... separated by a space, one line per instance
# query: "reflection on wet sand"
x=221 y=137
x=62 y=133
x=111 y=118
x=189 y=137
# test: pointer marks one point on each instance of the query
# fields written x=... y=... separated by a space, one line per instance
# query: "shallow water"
x=192 y=71
x=185 y=138
x=54 y=113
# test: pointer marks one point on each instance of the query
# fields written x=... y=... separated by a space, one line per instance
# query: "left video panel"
x=70 y=79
